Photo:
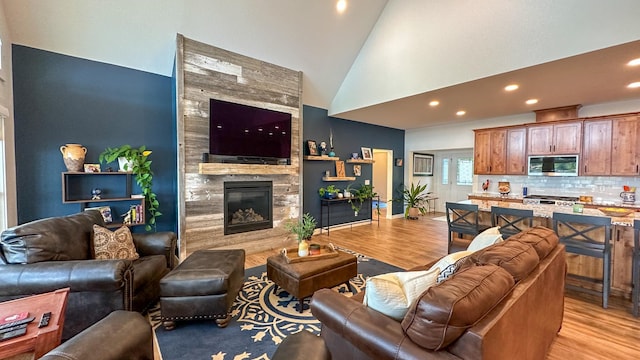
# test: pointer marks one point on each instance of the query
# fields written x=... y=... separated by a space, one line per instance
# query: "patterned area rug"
x=261 y=320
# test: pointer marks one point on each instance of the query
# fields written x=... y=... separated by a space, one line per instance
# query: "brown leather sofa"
x=478 y=313
x=54 y=253
x=120 y=335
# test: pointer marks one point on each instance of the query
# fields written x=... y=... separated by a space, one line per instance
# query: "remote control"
x=14 y=333
x=44 y=320
x=17 y=322
x=13 y=328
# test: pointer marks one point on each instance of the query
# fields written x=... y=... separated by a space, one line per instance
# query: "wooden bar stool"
x=511 y=221
x=635 y=268
x=589 y=236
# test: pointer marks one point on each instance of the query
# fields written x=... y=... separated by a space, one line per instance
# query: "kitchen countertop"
x=486 y=200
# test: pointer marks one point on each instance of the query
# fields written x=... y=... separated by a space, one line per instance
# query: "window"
x=445 y=171
x=464 y=172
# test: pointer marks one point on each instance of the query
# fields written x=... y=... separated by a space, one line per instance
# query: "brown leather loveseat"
x=503 y=302
x=54 y=253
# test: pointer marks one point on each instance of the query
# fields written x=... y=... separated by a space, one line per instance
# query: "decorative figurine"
x=323 y=148
x=485 y=185
x=96 y=194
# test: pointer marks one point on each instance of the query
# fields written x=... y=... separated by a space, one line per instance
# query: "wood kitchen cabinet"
x=490 y=151
x=622 y=256
x=516 y=151
x=596 y=147
x=562 y=138
x=625 y=152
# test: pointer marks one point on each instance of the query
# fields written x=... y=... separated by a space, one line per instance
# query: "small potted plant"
x=136 y=161
x=330 y=192
x=303 y=230
x=359 y=195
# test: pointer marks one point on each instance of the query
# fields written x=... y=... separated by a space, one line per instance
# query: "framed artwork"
x=357 y=170
x=422 y=164
x=91 y=168
x=340 y=171
x=366 y=153
x=399 y=162
x=313 y=148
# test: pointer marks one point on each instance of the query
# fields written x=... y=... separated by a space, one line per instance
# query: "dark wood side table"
x=36 y=340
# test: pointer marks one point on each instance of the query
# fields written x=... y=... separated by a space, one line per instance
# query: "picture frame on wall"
x=312 y=148
x=357 y=170
x=366 y=153
x=399 y=162
x=422 y=164
x=340 y=169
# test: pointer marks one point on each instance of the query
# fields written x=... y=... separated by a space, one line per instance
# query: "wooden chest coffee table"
x=302 y=279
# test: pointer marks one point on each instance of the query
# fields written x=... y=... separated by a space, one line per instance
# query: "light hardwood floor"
x=588 y=330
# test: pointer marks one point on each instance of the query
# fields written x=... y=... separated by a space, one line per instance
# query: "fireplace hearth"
x=248 y=206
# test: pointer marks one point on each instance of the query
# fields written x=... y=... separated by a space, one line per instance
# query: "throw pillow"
x=392 y=294
x=488 y=237
x=448 y=265
x=108 y=245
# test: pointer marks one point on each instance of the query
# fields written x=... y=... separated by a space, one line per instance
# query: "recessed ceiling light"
x=461 y=112
x=341 y=6
x=511 y=87
x=634 y=62
x=531 y=101
x=434 y=103
x=634 y=85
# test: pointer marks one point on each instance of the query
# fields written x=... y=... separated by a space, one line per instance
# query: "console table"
x=327 y=203
x=36 y=340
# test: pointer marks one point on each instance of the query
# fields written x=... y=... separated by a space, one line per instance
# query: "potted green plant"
x=415 y=197
x=359 y=195
x=330 y=192
x=136 y=161
x=303 y=229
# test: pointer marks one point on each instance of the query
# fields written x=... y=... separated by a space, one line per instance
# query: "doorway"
x=382 y=180
x=453 y=176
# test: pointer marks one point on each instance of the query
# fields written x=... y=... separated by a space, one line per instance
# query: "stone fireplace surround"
x=204 y=72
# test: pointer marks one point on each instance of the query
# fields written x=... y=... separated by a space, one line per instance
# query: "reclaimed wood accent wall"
x=204 y=72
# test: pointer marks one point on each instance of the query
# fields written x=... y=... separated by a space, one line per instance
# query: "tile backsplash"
x=604 y=189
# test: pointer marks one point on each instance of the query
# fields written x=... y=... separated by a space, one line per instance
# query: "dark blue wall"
x=348 y=137
x=61 y=99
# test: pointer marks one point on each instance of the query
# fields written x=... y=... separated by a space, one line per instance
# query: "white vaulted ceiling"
x=381 y=61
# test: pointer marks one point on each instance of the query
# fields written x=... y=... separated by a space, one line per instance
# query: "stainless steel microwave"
x=558 y=165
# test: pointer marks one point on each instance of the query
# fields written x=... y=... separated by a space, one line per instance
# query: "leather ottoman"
x=302 y=346
x=203 y=286
x=302 y=279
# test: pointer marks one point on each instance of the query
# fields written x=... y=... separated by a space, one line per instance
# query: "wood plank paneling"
x=205 y=72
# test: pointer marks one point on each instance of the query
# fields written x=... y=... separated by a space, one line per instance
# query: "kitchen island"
x=621 y=237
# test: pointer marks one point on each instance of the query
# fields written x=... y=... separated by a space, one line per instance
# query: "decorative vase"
x=331 y=153
x=122 y=162
x=303 y=248
x=73 y=156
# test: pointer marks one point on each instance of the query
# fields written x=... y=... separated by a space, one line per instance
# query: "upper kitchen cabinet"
x=564 y=137
x=489 y=151
x=596 y=147
x=625 y=154
x=516 y=151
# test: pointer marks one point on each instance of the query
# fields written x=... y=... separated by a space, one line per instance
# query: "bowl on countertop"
x=617 y=212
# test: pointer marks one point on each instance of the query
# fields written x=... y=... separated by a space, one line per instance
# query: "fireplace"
x=248 y=206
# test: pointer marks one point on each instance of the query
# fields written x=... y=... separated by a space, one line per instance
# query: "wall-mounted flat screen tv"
x=247 y=134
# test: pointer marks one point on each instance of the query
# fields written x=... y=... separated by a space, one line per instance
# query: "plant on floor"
x=415 y=199
x=303 y=229
x=141 y=168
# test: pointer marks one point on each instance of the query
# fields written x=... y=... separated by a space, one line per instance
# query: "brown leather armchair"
x=53 y=253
